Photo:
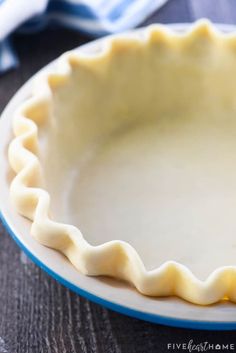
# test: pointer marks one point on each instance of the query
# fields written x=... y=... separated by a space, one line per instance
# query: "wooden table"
x=36 y=313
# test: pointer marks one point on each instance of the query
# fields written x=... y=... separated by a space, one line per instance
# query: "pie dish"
x=136 y=142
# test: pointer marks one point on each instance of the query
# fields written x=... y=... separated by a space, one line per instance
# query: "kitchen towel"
x=94 y=17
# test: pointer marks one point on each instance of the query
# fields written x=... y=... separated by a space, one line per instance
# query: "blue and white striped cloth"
x=95 y=17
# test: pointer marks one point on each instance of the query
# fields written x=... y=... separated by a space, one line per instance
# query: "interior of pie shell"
x=141 y=146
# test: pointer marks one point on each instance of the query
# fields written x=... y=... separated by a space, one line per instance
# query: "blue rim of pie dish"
x=122 y=309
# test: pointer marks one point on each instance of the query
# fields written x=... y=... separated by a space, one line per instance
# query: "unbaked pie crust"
x=136 y=142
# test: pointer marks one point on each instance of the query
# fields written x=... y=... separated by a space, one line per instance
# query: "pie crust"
x=163 y=105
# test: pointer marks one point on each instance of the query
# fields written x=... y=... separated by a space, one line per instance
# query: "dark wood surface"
x=36 y=313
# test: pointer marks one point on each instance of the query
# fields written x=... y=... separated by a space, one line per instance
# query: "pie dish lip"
x=130 y=311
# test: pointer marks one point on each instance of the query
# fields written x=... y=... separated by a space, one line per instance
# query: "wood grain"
x=36 y=313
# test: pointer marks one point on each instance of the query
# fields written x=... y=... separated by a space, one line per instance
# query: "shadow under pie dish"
x=136 y=142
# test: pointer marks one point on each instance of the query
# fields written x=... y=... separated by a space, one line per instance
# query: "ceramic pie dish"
x=124 y=161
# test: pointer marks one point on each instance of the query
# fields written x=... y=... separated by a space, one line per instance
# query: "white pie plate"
x=107 y=292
